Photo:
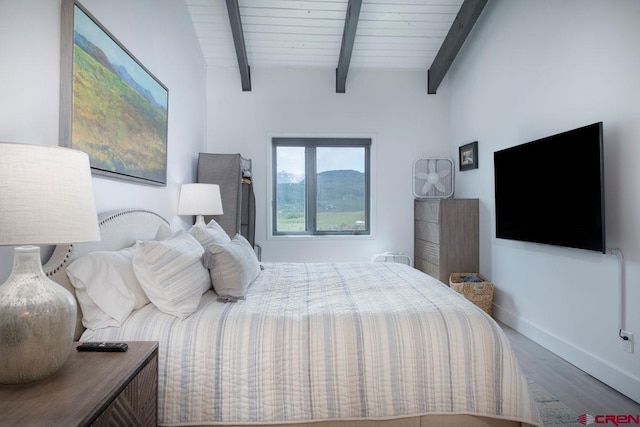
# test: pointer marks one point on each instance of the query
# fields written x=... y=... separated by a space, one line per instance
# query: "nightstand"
x=92 y=388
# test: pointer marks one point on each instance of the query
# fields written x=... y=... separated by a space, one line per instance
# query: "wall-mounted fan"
x=433 y=178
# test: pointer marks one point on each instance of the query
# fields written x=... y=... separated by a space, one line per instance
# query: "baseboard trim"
x=624 y=382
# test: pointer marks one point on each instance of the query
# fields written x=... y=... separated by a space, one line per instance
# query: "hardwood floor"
x=572 y=386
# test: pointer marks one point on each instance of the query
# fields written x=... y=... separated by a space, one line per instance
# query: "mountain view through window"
x=332 y=201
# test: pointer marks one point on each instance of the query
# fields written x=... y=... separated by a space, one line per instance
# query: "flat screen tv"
x=552 y=190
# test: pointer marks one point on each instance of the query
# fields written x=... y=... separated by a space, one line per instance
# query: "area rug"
x=553 y=412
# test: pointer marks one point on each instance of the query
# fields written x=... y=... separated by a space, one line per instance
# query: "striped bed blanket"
x=331 y=341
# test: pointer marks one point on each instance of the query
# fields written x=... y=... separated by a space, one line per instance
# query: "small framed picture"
x=469 y=156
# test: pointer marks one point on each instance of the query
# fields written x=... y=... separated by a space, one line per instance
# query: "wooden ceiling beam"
x=460 y=29
x=348 y=36
x=233 y=9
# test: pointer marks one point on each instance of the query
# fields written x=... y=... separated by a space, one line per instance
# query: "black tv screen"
x=552 y=190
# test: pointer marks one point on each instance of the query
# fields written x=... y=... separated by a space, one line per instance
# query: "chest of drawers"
x=446 y=236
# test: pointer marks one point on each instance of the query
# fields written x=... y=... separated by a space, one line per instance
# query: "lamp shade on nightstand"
x=46 y=198
x=200 y=199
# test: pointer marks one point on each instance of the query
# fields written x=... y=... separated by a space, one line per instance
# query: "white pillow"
x=106 y=287
x=232 y=266
x=212 y=233
x=171 y=273
x=164 y=232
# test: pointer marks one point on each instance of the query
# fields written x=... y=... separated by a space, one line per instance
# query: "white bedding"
x=331 y=342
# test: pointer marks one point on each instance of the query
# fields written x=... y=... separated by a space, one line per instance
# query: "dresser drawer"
x=428 y=251
x=428 y=210
x=428 y=231
x=137 y=404
x=425 y=266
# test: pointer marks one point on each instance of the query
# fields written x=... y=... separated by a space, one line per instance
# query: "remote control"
x=102 y=346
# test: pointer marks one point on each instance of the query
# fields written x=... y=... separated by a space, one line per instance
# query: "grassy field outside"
x=340 y=203
x=327 y=221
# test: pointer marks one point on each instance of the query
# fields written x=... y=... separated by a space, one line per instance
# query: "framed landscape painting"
x=112 y=107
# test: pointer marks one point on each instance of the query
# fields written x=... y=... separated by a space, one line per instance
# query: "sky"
x=291 y=159
x=92 y=32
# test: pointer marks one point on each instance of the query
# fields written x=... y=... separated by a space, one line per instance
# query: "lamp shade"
x=200 y=199
x=46 y=195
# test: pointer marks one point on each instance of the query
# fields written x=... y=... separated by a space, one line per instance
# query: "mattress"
x=331 y=341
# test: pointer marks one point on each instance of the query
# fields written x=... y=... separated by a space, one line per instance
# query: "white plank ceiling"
x=402 y=34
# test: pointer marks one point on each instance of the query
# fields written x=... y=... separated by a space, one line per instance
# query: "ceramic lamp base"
x=37 y=321
x=200 y=221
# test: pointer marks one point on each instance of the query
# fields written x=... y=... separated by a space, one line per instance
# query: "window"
x=321 y=186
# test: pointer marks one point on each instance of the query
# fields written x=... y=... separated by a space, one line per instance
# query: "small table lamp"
x=46 y=197
x=200 y=199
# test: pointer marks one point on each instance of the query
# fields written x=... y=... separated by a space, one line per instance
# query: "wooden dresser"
x=92 y=388
x=446 y=237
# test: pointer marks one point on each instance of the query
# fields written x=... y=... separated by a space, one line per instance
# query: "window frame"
x=310 y=145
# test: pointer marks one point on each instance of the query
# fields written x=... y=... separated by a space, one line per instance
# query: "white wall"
x=533 y=69
x=392 y=107
x=161 y=37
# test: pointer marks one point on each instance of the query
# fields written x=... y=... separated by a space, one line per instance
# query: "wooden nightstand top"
x=75 y=395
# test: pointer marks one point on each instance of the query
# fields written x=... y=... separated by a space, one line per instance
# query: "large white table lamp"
x=46 y=198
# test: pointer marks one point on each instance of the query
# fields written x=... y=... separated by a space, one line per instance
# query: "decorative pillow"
x=106 y=287
x=212 y=233
x=171 y=273
x=164 y=232
x=232 y=266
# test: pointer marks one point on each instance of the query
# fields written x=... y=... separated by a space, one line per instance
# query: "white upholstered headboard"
x=118 y=229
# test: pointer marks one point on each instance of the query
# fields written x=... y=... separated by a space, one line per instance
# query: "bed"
x=319 y=344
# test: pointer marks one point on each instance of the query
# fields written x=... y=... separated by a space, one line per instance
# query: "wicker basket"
x=479 y=293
